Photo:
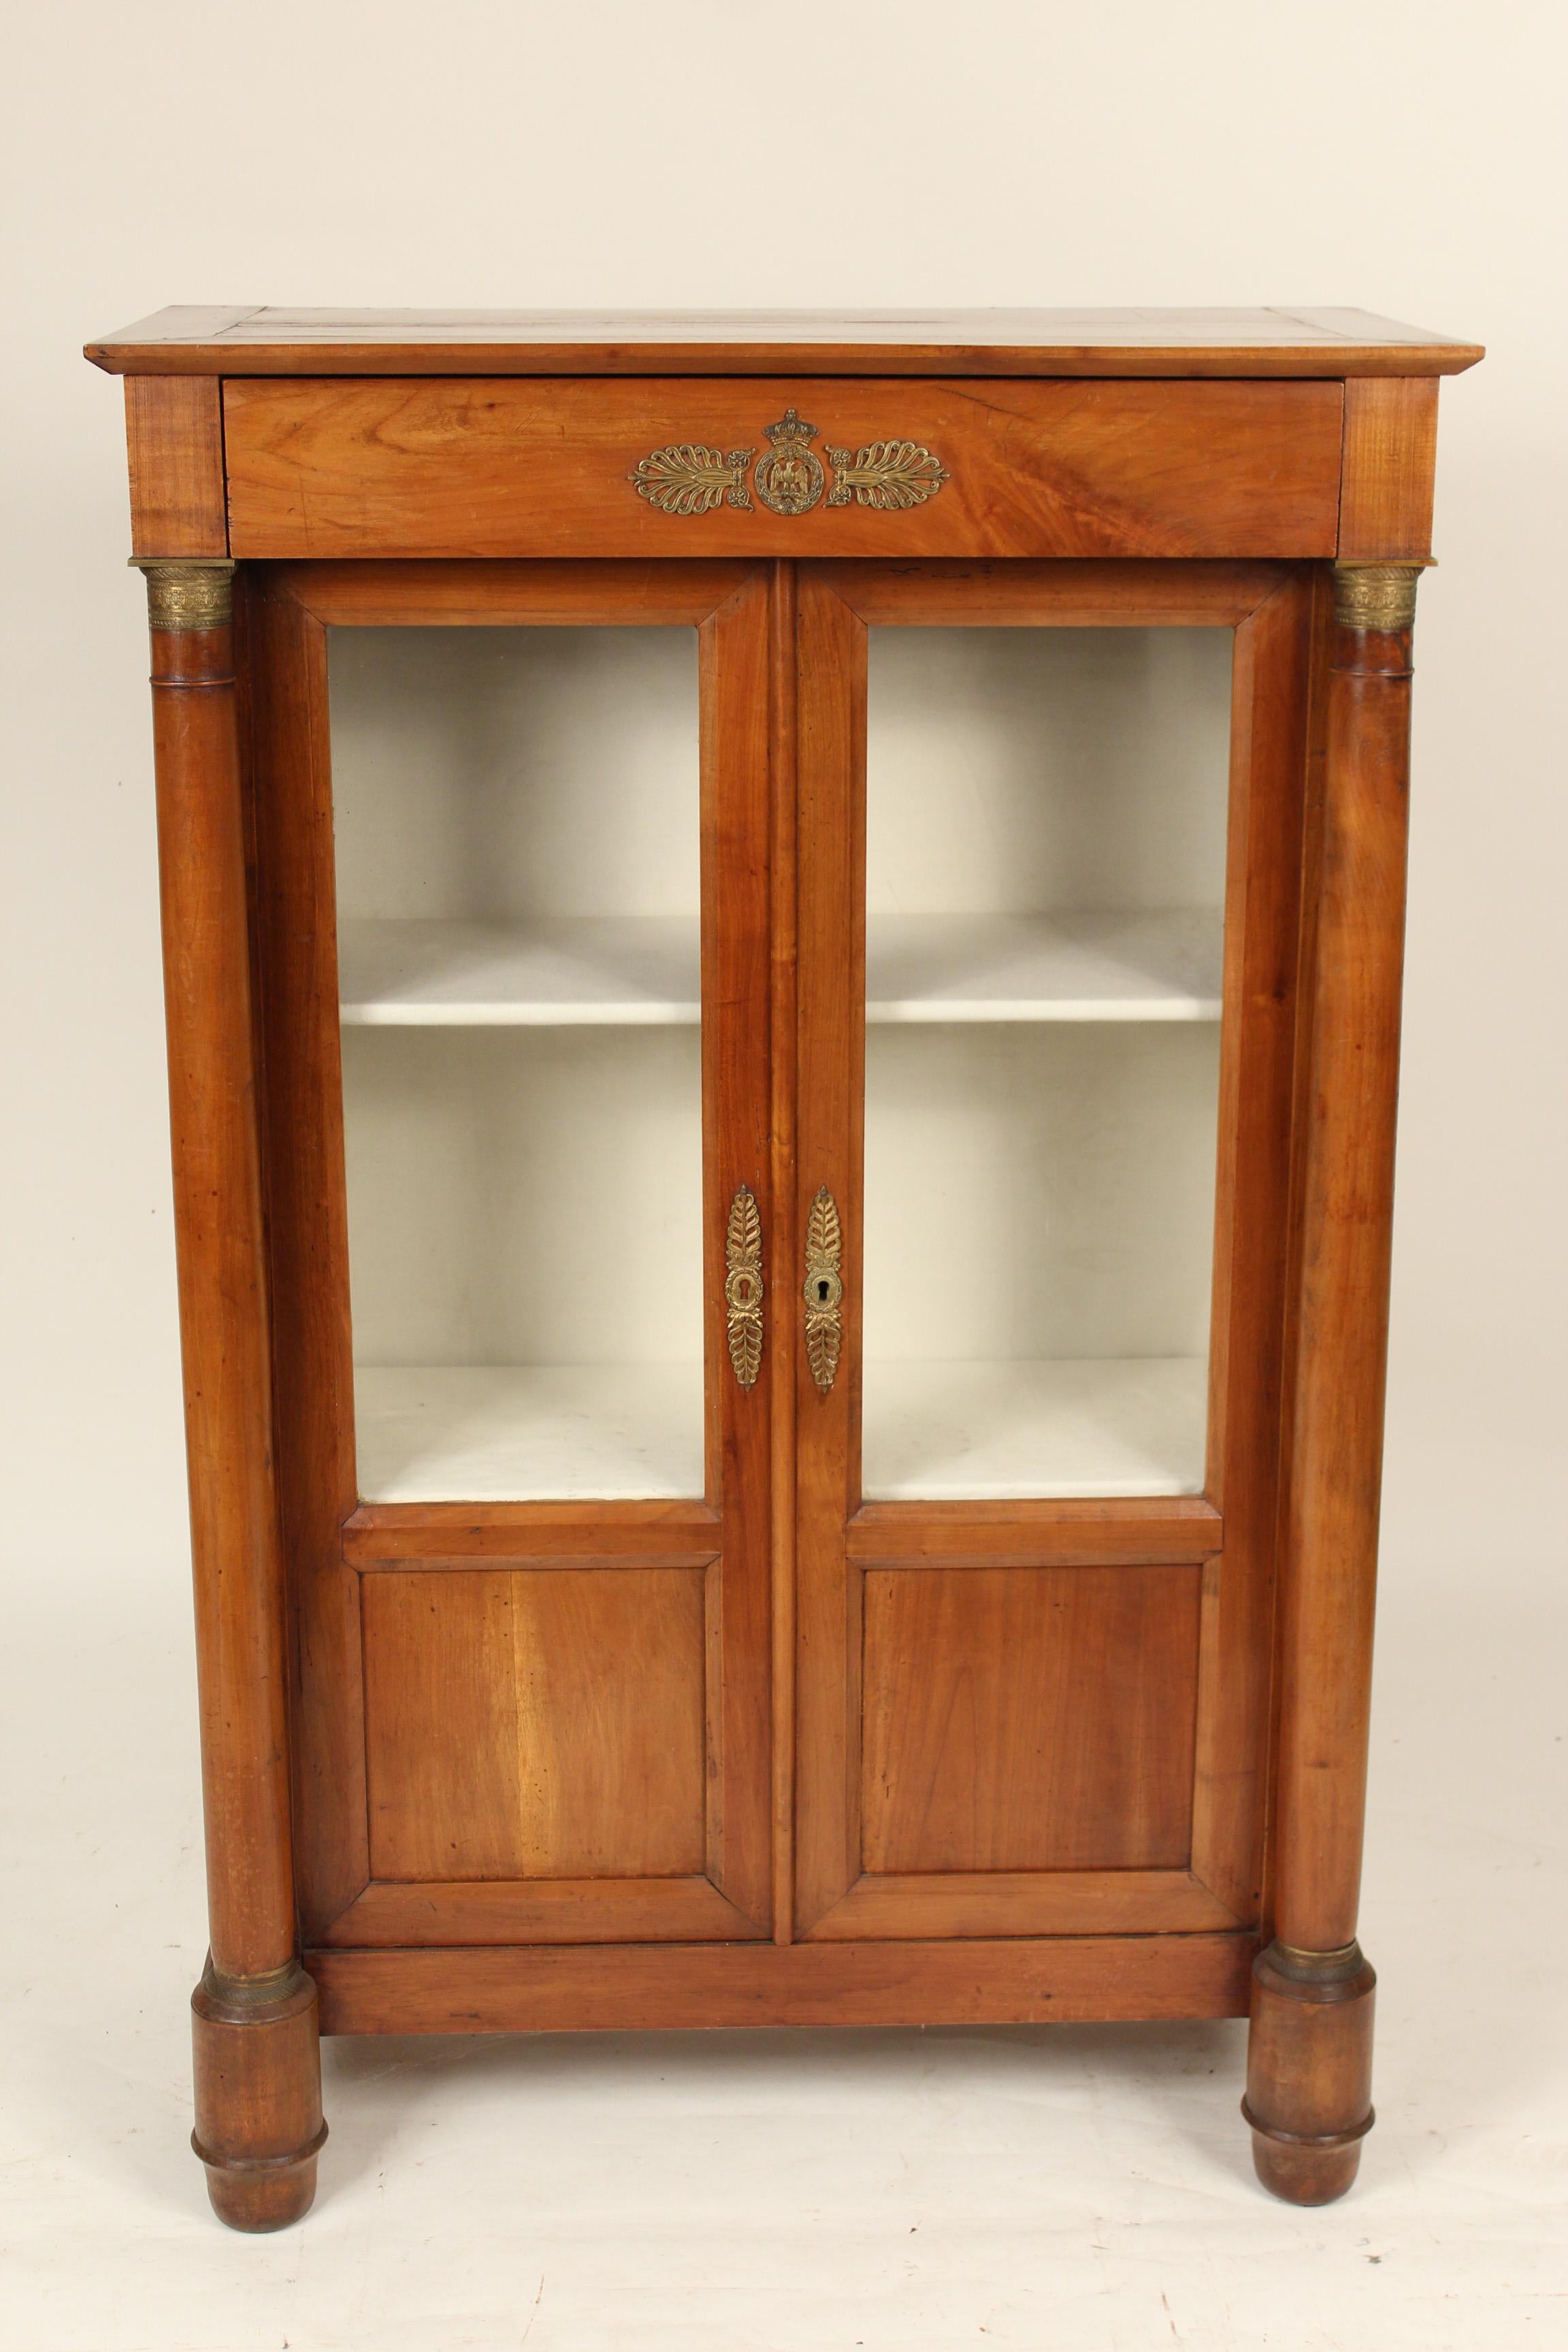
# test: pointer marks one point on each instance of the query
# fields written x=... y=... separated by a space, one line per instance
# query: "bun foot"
x=1302 y=2174
x=1309 y=2070
x=258 y=2095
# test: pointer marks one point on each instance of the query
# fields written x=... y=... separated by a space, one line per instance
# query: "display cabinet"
x=782 y=948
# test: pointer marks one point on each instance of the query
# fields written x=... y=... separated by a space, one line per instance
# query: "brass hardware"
x=687 y=479
x=823 y=1289
x=1337 y=1967
x=743 y=1286
x=1376 y=595
x=886 y=474
x=790 y=478
x=192 y=592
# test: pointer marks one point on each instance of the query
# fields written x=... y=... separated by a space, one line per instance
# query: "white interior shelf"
x=985 y=1432
x=418 y=974
x=1159 y=965
x=933 y=1432
x=511 y=1434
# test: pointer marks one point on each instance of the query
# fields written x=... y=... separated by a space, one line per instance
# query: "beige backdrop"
x=1216 y=154
x=1399 y=156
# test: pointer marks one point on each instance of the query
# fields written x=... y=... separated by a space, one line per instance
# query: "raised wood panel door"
x=1049 y=833
x=517 y=1078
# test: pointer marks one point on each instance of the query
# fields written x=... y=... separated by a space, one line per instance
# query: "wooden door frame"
x=1228 y=1537
x=330 y=1541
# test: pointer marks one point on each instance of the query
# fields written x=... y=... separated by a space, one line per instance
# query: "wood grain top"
x=262 y=340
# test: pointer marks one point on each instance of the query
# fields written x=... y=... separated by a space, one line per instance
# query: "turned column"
x=1309 y=2057
x=257 y=2061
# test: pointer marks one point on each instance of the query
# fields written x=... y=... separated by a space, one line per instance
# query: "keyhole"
x=822 y=1291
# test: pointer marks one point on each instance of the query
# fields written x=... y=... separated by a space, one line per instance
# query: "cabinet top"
x=263 y=340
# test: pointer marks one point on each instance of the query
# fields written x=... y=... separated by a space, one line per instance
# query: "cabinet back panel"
x=1010 y=770
x=507 y=772
x=535 y=1724
x=1029 y=1719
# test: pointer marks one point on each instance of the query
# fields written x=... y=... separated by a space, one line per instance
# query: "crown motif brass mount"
x=688 y=478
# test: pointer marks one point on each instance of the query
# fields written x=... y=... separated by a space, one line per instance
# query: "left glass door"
x=517 y=821
x=511 y=834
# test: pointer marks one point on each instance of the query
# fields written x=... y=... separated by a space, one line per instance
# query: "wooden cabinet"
x=783 y=946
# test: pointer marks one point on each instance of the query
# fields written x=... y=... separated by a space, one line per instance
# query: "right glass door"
x=1044 y=883
x=1050 y=834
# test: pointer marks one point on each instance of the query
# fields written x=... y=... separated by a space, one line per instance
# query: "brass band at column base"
x=191 y=592
x=1376 y=595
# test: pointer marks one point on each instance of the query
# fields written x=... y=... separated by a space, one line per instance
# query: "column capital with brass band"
x=188 y=592
x=1376 y=595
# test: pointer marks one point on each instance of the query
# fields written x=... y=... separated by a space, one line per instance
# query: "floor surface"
x=1067 y=2188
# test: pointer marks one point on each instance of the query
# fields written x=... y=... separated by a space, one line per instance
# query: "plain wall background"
x=1401 y=154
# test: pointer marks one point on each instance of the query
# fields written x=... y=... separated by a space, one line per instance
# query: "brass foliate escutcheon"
x=743 y=1286
x=1375 y=595
x=686 y=478
x=885 y=474
x=823 y=1289
x=197 y=592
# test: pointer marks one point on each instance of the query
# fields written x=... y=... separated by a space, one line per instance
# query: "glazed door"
x=1049 y=833
x=511 y=828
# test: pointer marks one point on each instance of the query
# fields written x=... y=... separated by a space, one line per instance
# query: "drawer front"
x=530 y=466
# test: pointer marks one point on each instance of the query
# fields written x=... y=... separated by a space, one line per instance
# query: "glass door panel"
x=517 y=823
x=1046 y=865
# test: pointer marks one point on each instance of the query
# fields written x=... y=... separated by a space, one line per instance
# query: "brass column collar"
x=188 y=592
x=1376 y=595
x=1315 y=1968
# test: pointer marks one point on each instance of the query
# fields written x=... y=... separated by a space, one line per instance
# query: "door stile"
x=1270 y=687
x=734 y=657
x=783 y=1335
x=831 y=965
x=291 y=781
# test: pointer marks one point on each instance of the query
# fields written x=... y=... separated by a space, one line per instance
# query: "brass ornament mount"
x=743 y=1286
x=1376 y=595
x=688 y=478
x=823 y=1289
x=189 y=592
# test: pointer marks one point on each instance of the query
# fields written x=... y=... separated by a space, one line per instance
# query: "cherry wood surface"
x=1340 y=1337
x=783 y=1327
x=1134 y=1528
x=1010 y=1980
x=1194 y=1706
x=290 y=778
x=1390 y=459
x=224 y=1336
x=772 y=1754
x=439 y=1911
x=264 y=340
x=174 y=444
x=256 y=2062
x=1309 y=2071
x=1028 y=1719
x=494 y=466
x=256 y=2076
x=400 y=1742
x=549 y=1724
